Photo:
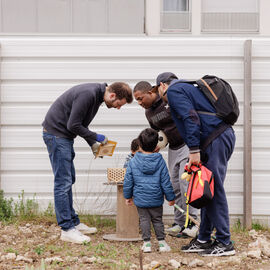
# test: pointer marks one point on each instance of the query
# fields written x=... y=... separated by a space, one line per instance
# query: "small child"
x=134 y=148
x=147 y=181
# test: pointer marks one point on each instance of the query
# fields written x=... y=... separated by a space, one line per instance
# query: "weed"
x=258 y=227
x=49 y=212
x=54 y=249
x=39 y=250
x=237 y=227
x=11 y=250
x=98 y=221
x=26 y=208
x=6 y=210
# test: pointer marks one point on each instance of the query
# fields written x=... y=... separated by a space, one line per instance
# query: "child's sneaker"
x=163 y=246
x=146 y=246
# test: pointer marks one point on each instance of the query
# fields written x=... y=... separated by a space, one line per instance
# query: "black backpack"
x=221 y=96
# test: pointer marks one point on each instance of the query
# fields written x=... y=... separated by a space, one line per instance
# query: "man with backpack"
x=211 y=141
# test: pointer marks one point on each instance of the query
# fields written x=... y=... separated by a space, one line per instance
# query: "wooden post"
x=127 y=220
x=247 y=181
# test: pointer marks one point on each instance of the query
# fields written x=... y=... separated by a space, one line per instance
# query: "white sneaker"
x=191 y=231
x=74 y=236
x=174 y=230
x=146 y=246
x=163 y=246
x=85 y=229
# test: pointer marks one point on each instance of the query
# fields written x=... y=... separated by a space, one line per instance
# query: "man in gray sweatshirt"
x=68 y=117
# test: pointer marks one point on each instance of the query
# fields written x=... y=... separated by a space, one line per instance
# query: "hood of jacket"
x=147 y=163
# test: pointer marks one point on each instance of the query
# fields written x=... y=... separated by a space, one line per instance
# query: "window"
x=230 y=16
x=175 y=16
x=72 y=16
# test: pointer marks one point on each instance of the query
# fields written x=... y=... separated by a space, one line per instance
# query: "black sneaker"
x=196 y=246
x=218 y=249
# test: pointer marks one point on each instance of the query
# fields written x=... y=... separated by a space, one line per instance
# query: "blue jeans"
x=61 y=155
x=216 y=213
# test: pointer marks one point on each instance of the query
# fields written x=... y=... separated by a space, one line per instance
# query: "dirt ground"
x=33 y=241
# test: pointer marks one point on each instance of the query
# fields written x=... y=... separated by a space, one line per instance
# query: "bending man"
x=68 y=117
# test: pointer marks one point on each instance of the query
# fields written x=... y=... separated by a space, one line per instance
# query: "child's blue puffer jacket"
x=147 y=181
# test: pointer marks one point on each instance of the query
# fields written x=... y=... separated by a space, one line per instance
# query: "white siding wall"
x=35 y=71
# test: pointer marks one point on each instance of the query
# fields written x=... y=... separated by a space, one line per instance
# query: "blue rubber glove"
x=102 y=139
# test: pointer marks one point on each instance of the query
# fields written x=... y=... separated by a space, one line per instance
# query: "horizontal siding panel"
x=32 y=137
x=48 y=92
x=122 y=47
x=89 y=182
x=136 y=70
x=34 y=115
x=39 y=161
x=92 y=183
x=260 y=205
x=260 y=115
x=260 y=70
x=133 y=115
x=260 y=160
x=260 y=137
x=261 y=48
x=259 y=92
x=119 y=70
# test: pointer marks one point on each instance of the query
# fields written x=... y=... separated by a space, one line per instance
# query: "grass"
x=98 y=221
x=238 y=227
x=11 y=250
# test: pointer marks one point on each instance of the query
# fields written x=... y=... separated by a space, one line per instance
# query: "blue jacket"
x=192 y=113
x=147 y=180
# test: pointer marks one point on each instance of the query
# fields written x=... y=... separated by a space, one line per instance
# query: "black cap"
x=165 y=77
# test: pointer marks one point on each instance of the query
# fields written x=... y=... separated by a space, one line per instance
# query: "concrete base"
x=114 y=237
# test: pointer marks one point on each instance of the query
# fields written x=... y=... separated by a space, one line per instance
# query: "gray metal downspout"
x=247 y=152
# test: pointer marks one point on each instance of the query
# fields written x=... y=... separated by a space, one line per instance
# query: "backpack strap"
x=220 y=129
x=209 y=88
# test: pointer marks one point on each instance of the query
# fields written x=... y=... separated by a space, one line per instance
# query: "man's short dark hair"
x=135 y=145
x=142 y=86
x=148 y=139
x=121 y=90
